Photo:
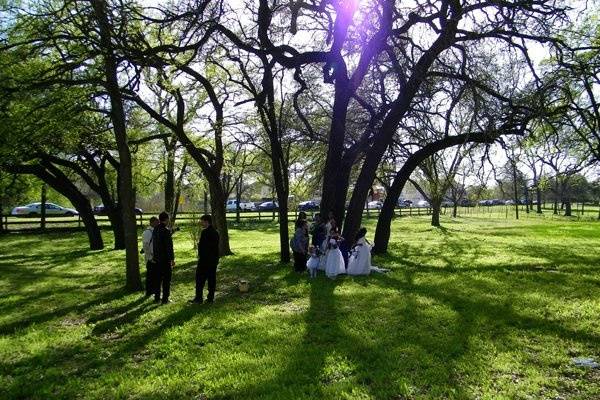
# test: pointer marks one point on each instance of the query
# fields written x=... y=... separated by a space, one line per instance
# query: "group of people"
x=157 y=247
x=321 y=247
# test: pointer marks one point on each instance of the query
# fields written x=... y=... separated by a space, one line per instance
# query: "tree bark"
x=43 y=208
x=568 y=208
x=116 y=224
x=218 y=212
x=170 y=181
x=133 y=280
x=436 y=204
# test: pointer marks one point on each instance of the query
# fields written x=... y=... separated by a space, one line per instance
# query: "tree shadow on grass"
x=476 y=304
x=386 y=356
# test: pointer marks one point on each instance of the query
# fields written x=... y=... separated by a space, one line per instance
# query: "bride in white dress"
x=360 y=260
x=334 y=265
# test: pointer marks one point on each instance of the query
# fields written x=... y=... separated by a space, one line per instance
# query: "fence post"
x=78 y=220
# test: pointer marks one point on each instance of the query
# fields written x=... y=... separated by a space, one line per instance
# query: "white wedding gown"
x=334 y=264
x=360 y=261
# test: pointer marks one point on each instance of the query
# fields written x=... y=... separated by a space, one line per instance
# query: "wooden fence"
x=10 y=223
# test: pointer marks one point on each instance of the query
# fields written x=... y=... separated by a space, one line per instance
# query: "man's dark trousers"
x=204 y=274
x=151 y=278
x=164 y=273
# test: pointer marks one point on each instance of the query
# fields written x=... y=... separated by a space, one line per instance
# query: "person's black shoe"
x=196 y=301
x=156 y=301
x=210 y=301
x=165 y=301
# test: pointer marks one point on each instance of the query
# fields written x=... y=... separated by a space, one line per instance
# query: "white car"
x=231 y=205
x=422 y=203
x=34 y=209
x=375 y=205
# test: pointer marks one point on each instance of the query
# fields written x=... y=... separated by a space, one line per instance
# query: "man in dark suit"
x=208 y=259
x=164 y=258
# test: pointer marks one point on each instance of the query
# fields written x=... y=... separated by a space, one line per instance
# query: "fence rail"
x=10 y=223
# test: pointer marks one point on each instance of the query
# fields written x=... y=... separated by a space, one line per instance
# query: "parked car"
x=484 y=202
x=509 y=202
x=375 y=205
x=423 y=203
x=404 y=203
x=35 y=209
x=308 y=206
x=466 y=203
x=101 y=210
x=231 y=205
x=447 y=203
x=268 y=206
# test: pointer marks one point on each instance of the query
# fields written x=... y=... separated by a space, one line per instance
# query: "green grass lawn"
x=480 y=309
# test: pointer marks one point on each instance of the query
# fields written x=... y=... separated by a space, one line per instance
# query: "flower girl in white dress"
x=335 y=260
x=360 y=260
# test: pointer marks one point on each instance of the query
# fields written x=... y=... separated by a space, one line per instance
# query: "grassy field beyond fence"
x=483 y=308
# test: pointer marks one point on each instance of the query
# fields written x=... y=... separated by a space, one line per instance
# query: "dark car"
x=308 y=206
x=268 y=206
x=466 y=203
x=404 y=203
x=101 y=210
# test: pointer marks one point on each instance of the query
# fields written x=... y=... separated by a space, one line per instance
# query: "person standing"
x=148 y=251
x=208 y=259
x=164 y=258
x=300 y=245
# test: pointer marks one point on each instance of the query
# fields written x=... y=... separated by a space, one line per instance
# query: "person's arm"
x=169 y=245
x=215 y=246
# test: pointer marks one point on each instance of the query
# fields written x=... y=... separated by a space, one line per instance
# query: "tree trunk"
x=538 y=197
x=219 y=215
x=435 y=212
x=43 y=208
x=284 y=236
x=89 y=221
x=568 y=211
x=1 y=215
x=516 y=191
x=238 y=199
x=170 y=182
x=133 y=280
x=335 y=149
x=116 y=224
x=61 y=183
x=454 y=208
x=384 y=222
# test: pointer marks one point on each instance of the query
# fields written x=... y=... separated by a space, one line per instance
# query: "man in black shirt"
x=208 y=259
x=164 y=258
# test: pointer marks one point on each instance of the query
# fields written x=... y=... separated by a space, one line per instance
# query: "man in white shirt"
x=148 y=251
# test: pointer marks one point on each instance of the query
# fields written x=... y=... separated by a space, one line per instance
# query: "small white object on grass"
x=585 y=362
x=243 y=286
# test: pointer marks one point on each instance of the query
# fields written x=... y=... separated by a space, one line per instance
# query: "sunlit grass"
x=491 y=309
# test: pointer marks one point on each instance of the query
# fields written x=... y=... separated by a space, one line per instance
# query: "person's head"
x=330 y=215
x=361 y=233
x=311 y=249
x=301 y=215
x=163 y=217
x=153 y=221
x=206 y=221
x=317 y=217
